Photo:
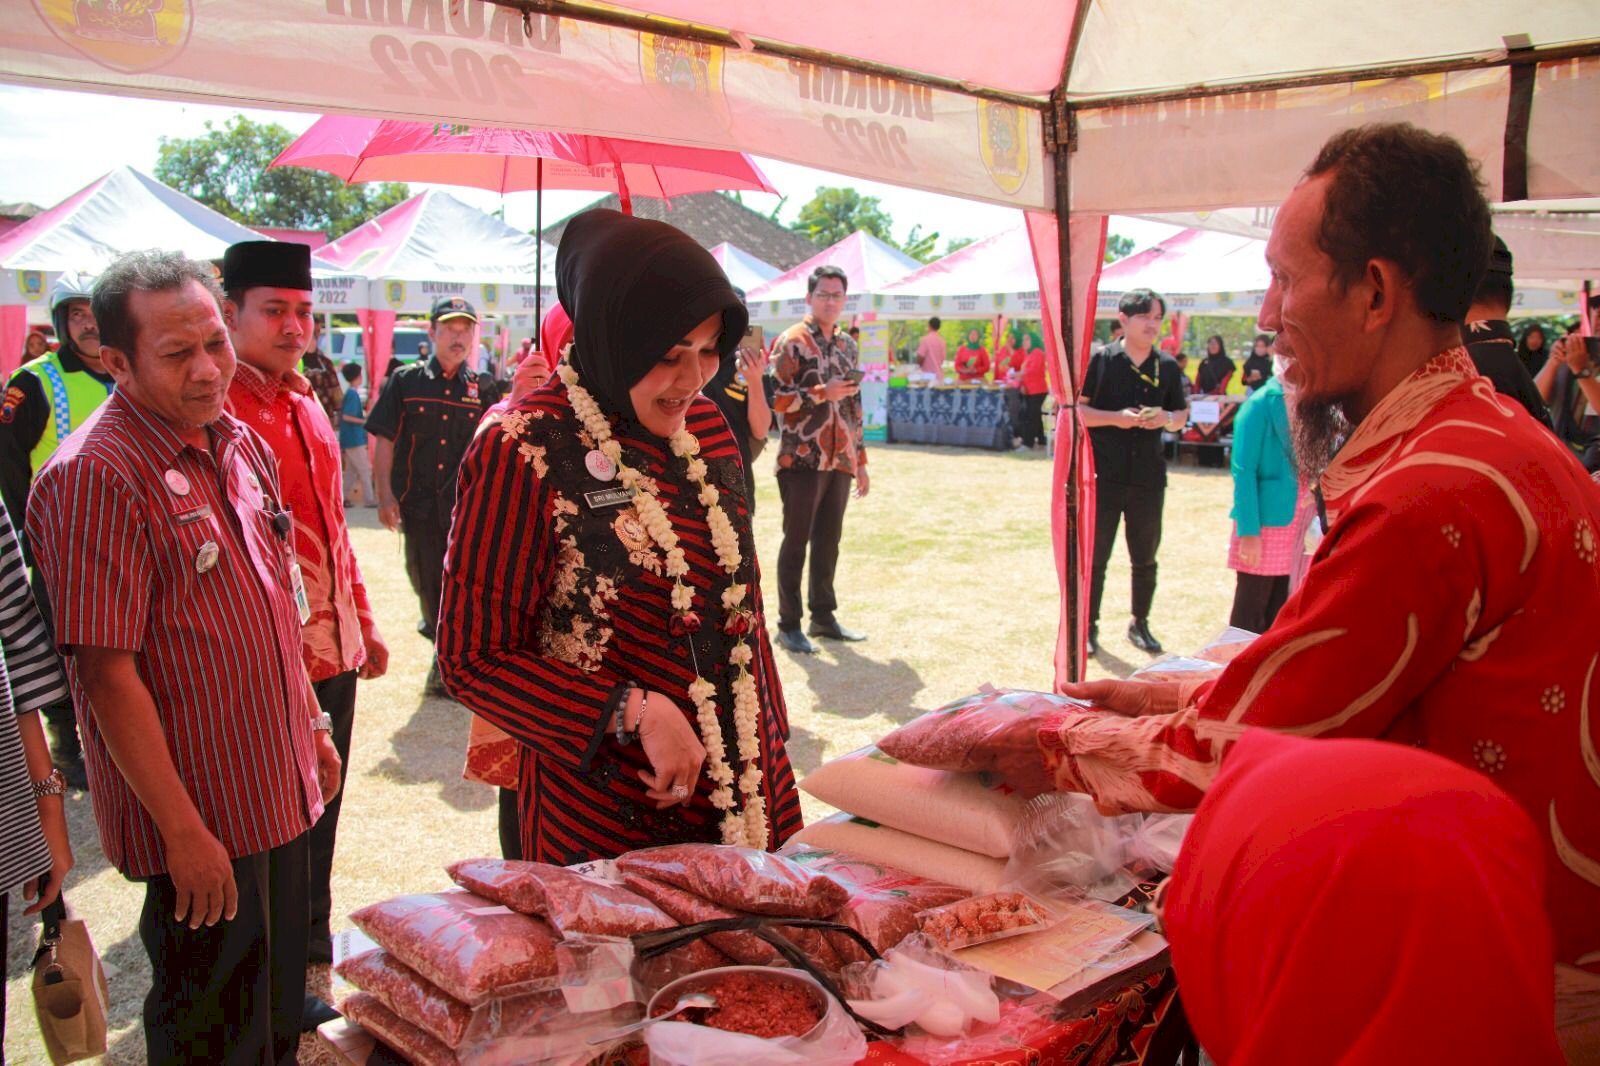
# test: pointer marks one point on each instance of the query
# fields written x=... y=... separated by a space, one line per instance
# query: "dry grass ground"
x=947 y=564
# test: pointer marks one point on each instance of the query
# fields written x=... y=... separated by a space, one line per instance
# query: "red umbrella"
x=358 y=149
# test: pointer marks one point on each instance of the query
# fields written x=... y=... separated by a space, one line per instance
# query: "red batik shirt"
x=123 y=522
x=310 y=471
x=1452 y=605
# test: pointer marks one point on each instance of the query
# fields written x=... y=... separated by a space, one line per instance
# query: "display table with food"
x=973 y=416
x=940 y=917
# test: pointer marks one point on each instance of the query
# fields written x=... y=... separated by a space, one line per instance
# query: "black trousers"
x=337 y=698
x=510 y=824
x=231 y=993
x=1141 y=505
x=1256 y=601
x=426 y=534
x=813 y=515
x=1032 y=430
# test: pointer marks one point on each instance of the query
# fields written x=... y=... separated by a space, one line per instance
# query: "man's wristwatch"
x=322 y=723
x=53 y=785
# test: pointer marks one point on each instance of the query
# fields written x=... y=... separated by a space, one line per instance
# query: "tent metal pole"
x=538 y=249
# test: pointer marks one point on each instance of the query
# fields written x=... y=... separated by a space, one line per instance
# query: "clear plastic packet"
x=741 y=879
x=1177 y=668
x=1067 y=849
x=980 y=919
x=994 y=731
x=413 y=1044
x=467 y=947
x=688 y=908
x=1155 y=845
x=761 y=999
x=918 y=984
x=572 y=903
x=1227 y=644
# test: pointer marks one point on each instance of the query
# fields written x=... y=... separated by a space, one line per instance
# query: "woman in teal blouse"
x=1266 y=490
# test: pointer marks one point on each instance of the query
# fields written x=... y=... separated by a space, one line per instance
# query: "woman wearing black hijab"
x=601 y=601
x=1215 y=373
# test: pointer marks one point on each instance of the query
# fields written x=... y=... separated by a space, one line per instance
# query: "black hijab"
x=634 y=287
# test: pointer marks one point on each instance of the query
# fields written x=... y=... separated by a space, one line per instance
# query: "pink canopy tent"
x=869 y=263
x=1098 y=107
x=743 y=269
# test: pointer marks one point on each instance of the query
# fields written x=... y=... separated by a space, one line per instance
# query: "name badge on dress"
x=603 y=498
x=297 y=585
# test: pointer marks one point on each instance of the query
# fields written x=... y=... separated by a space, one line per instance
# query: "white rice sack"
x=974 y=812
x=918 y=855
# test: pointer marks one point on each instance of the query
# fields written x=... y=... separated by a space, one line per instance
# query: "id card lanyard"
x=283 y=526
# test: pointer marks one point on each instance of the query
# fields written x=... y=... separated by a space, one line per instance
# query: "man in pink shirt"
x=931 y=350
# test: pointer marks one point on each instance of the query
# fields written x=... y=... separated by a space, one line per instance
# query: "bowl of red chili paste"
x=759 y=1001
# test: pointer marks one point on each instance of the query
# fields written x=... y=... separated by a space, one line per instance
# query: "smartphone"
x=755 y=337
x=855 y=376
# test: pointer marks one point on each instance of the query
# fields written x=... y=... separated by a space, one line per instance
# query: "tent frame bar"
x=665 y=27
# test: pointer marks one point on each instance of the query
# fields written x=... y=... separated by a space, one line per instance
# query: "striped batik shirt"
x=151 y=545
x=30 y=678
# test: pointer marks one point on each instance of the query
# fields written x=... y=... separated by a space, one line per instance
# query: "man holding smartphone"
x=821 y=454
x=1130 y=394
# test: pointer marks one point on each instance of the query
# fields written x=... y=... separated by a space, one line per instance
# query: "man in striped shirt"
x=159 y=529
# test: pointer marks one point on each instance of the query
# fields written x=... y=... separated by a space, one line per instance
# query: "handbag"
x=69 y=987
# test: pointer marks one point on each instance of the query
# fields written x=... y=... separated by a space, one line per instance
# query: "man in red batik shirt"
x=1462 y=542
x=268 y=311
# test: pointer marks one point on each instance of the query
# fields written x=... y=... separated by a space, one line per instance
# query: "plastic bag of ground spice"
x=413 y=1044
x=884 y=901
x=466 y=946
x=993 y=731
x=981 y=919
x=408 y=995
x=570 y=902
x=743 y=879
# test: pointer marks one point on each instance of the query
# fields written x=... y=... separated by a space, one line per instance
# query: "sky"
x=55 y=143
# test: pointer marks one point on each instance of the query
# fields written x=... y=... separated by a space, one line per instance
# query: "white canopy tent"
x=743 y=269
x=434 y=245
x=1079 y=109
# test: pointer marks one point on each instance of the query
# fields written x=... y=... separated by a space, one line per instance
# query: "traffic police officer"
x=423 y=421
x=45 y=400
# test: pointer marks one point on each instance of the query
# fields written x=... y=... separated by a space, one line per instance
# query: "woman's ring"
x=681 y=791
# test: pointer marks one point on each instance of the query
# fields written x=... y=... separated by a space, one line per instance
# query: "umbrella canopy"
x=742 y=268
x=502 y=160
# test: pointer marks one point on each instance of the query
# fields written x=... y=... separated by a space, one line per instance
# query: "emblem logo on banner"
x=123 y=35
x=491 y=295
x=394 y=292
x=683 y=72
x=1003 y=144
x=30 y=283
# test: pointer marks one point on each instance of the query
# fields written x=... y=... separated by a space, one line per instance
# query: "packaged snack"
x=469 y=948
x=689 y=908
x=981 y=919
x=409 y=996
x=742 y=879
x=974 y=812
x=570 y=902
x=992 y=731
x=413 y=1045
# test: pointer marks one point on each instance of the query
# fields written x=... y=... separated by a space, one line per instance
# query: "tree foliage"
x=833 y=214
x=1117 y=246
x=226 y=169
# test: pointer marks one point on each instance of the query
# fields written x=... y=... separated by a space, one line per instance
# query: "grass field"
x=947 y=565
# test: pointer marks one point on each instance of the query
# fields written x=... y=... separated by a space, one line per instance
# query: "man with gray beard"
x=1462 y=543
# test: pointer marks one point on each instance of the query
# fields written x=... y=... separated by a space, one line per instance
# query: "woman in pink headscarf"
x=1364 y=903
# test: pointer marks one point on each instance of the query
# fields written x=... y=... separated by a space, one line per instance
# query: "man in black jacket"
x=1489 y=341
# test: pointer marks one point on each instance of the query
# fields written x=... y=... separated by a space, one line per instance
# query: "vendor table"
x=973 y=416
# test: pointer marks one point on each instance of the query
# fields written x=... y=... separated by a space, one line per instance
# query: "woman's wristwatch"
x=53 y=784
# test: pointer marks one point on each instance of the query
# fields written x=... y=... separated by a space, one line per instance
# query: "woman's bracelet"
x=618 y=706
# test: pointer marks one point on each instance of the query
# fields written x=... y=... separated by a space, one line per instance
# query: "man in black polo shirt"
x=1131 y=393
x=423 y=422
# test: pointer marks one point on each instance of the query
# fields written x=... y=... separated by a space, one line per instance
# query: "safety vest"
x=72 y=395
